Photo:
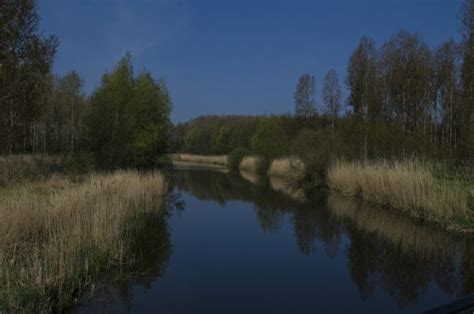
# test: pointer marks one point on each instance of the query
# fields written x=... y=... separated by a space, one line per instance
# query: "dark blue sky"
x=232 y=57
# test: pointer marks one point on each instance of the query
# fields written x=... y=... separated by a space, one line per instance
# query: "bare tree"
x=305 y=96
x=467 y=77
x=332 y=95
x=362 y=83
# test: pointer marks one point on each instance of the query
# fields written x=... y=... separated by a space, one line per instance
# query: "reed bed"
x=249 y=163
x=407 y=185
x=291 y=168
x=220 y=160
x=57 y=240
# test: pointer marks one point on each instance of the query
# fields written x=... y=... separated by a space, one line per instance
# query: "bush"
x=263 y=165
x=316 y=149
x=236 y=156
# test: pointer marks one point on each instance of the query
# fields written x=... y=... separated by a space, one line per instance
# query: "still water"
x=237 y=245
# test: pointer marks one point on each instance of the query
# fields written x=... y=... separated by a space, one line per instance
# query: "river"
x=238 y=245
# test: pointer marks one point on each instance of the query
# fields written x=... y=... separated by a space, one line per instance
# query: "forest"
x=405 y=100
x=123 y=123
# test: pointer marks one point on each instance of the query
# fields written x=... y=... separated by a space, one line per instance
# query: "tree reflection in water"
x=384 y=250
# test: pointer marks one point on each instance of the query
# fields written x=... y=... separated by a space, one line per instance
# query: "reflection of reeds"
x=250 y=176
x=55 y=239
x=285 y=186
x=398 y=230
x=407 y=185
x=220 y=160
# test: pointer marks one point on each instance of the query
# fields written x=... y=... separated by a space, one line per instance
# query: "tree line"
x=124 y=122
x=404 y=100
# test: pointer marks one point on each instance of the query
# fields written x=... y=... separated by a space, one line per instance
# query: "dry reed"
x=54 y=242
x=249 y=163
x=408 y=185
x=290 y=167
x=220 y=160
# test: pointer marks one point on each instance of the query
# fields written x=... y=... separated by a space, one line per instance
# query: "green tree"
x=25 y=60
x=151 y=107
x=129 y=119
x=269 y=140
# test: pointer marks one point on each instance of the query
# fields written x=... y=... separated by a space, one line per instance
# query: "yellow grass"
x=220 y=160
x=249 y=163
x=291 y=168
x=406 y=185
x=56 y=240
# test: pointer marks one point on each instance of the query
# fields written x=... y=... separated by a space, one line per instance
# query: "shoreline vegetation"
x=59 y=237
x=420 y=190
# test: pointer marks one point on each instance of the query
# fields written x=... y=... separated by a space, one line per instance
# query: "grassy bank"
x=58 y=237
x=199 y=160
x=414 y=187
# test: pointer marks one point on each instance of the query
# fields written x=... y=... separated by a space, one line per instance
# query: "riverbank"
x=422 y=191
x=419 y=189
x=58 y=236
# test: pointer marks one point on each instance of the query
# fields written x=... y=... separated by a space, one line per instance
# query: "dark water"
x=238 y=247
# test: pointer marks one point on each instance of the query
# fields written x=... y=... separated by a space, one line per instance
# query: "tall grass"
x=219 y=160
x=408 y=185
x=57 y=240
x=249 y=163
x=290 y=167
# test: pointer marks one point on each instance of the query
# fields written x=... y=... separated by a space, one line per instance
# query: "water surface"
x=240 y=246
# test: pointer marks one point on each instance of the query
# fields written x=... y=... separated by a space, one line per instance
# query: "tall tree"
x=25 y=60
x=305 y=96
x=129 y=122
x=446 y=106
x=407 y=73
x=60 y=128
x=332 y=95
x=467 y=76
x=362 y=83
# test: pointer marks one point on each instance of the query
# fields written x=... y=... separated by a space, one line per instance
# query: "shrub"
x=263 y=165
x=316 y=149
x=236 y=156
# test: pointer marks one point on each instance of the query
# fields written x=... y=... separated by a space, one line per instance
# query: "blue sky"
x=232 y=57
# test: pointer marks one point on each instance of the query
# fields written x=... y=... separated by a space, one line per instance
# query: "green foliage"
x=263 y=165
x=129 y=119
x=210 y=135
x=269 y=140
x=236 y=156
x=25 y=60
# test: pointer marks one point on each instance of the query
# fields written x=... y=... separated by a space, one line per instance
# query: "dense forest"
x=405 y=100
x=125 y=122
